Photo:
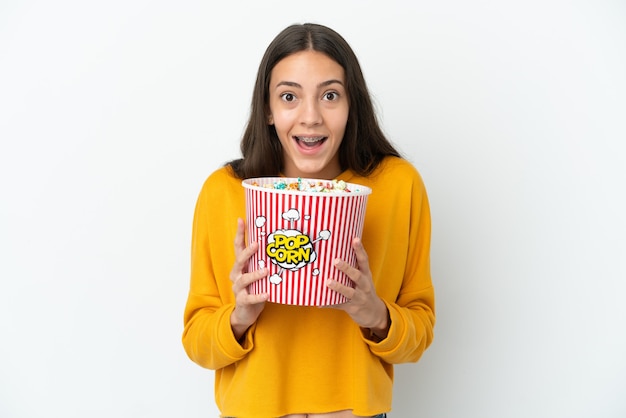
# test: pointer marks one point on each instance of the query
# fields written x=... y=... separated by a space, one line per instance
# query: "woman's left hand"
x=364 y=305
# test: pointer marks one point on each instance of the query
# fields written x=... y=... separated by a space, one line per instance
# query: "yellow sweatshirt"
x=299 y=359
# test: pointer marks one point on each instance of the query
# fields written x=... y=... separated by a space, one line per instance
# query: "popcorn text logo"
x=290 y=249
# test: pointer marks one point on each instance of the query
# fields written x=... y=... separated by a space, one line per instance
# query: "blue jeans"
x=376 y=416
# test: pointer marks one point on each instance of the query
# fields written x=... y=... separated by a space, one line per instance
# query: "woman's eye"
x=288 y=97
x=331 y=95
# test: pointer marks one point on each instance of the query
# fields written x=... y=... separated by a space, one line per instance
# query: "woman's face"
x=309 y=109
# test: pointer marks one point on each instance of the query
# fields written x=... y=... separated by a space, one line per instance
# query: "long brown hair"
x=363 y=146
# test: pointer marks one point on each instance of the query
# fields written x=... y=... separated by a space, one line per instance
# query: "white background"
x=113 y=113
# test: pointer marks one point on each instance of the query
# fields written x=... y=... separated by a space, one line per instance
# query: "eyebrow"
x=322 y=84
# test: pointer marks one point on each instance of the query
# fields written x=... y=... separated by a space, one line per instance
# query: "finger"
x=353 y=273
x=240 y=246
x=240 y=236
x=242 y=260
x=361 y=256
x=251 y=299
x=240 y=243
x=343 y=290
x=244 y=280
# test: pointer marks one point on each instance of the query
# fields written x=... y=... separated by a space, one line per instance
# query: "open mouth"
x=310 y=141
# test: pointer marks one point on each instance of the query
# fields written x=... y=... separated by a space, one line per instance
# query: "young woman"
x=311 y=117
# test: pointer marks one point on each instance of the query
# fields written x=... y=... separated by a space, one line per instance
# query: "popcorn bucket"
x=300 y=232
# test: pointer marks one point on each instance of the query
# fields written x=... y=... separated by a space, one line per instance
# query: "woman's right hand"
x=247 y=307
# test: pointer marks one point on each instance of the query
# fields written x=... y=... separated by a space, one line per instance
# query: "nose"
x=310 y=114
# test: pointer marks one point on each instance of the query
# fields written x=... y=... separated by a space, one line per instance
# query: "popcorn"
x=317 y=186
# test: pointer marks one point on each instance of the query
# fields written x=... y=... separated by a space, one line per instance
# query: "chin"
x=314 y=169
x=309 y=171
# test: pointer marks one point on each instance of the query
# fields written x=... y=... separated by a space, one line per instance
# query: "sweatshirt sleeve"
x=207 y=336
x=412 y=313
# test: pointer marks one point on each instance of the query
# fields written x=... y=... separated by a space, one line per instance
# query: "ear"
x=270 y=120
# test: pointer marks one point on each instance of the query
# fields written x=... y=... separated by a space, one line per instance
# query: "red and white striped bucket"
x=300 y=233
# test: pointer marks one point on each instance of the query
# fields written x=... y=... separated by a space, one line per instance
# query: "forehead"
x=306 y=66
